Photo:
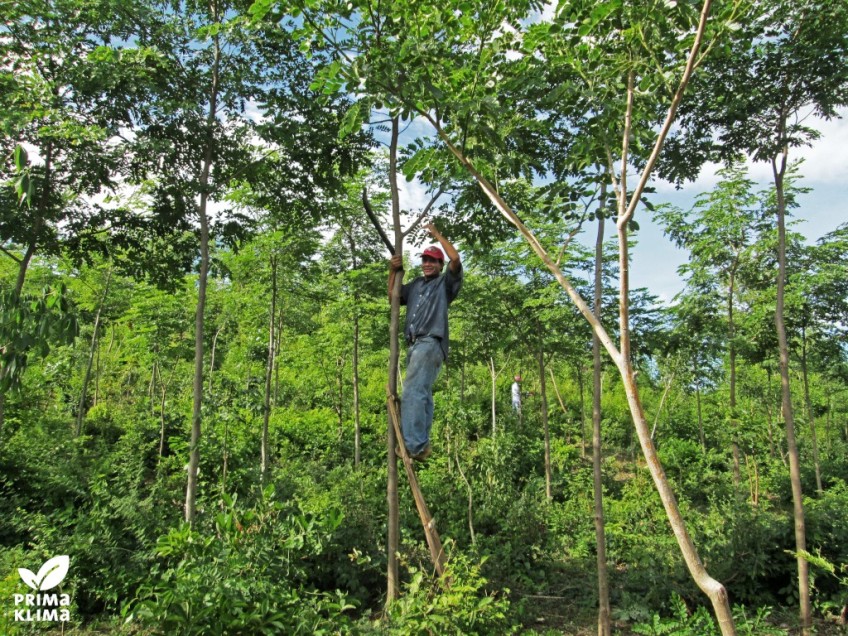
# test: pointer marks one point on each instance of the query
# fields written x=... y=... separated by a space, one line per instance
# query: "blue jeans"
x=423 y=362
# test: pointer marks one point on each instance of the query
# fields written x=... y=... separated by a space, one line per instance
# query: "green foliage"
x=241 y=576
x=31 y=324
x=683 y=622
x=455 y=604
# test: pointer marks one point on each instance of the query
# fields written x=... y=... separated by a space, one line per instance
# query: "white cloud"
x=827 y=160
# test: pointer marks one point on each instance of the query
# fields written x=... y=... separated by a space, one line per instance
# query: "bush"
x=456 y=603
x=242 y=577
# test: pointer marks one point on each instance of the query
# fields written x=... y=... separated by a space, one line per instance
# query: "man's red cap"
x=434 y=252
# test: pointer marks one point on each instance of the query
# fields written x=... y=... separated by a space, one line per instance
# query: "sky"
x=655 y=259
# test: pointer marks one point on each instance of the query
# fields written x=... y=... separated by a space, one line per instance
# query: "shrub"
x=242 y=577
x=456 y=603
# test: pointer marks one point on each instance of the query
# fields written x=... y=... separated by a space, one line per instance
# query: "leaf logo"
x=49 y=576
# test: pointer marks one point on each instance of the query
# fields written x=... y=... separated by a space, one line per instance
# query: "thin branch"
x=567 y=242
x=672 y=112
x=10 y=255
x=425 y=211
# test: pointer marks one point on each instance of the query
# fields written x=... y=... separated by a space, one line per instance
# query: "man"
x=427 y=299
x=516 y=394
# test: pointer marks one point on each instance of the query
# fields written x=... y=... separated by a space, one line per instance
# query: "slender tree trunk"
x=357 y=424
x=269 y=372
x=754 y=478
x=581 y=389
x=212 y=355
x=393 y=539
x=734 y=420
x=91 y=354
x=604 y=612
x=660 y=407
x=470 y=500
x=197 y=389
x=23 y=264
x=810 y=415
x=544 y=397
x=701 y=434
x=23 y=267
x=279 y=328
x=340 y=362
x=805 y=616
x=493 y=376
x=560 y=400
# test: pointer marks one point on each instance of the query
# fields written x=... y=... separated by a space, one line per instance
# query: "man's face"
x=430 y=266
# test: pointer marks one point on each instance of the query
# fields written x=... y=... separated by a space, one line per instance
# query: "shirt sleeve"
x=453 y=283
x=404 y=293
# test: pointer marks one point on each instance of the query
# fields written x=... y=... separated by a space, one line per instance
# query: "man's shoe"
x=420 y=457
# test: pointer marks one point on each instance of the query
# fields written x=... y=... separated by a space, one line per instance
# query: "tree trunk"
x=810 y=415
x=604 y=613
x=393 y=539
x=544 y=397
x=357 y=424
x=560 y=400
x=734 y=420
x=701 y=434
x=264 y=451
x=197 y=389
x=493 y=376
x=580 y=387
x=212 y=355
x=805 y=616
x=91 y=353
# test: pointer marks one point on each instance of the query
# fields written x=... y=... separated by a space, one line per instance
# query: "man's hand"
x=396 y=263
x=432 y=229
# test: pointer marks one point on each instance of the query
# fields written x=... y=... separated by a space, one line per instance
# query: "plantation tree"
x=200 y=140
x=351 y=257
x=794 y=65
x=67 y=94
x=827 y=299
x=485 y=326
x=718 y=233
x=448 y=65
x=64 y=100
x=697 y=336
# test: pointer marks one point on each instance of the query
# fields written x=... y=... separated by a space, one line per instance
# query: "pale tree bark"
x=544 y=412
x=91 y=353
x=734 y=420
x=357 y=422
x=811 y=418
x=559 y=399
x=583 y=442
x=604 y=612
x=26 y=259
x=805 y=616
x=393 y=539
x=666 y=390
x=197 y=388
x=264 y=451
x=493 y=374
x=470 y=499
x=212 y=354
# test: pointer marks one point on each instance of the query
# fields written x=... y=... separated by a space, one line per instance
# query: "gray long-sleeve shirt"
x=427 y=304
